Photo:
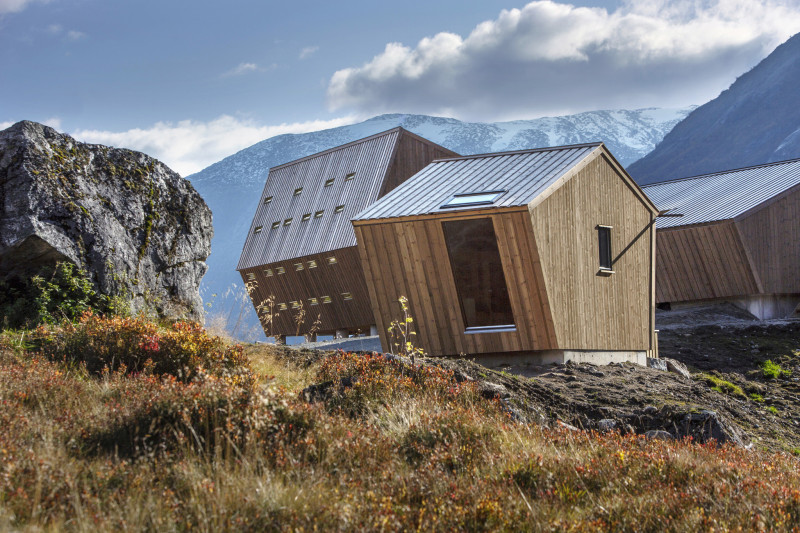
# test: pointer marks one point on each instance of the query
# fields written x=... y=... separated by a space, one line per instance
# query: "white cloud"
x=4 y=125
x=15 y=6
x=57 y=30
x=73 y=35
x=190 y=146
x=308 y=51
x=242 y=68
x=53 y=122
x=550 y=58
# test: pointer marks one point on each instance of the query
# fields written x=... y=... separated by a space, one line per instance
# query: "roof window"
x=349 y=176
x=258 y=229
x=276 y=224
x=287 y=221
x=329 y=182
x=297 y=191
x=268 y=200
x=306 y=216
x=318 y=214
x=339 y=209
x=472 y=198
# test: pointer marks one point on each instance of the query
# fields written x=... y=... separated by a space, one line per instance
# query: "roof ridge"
x=341 y=146
x=516 y=152
x=720 y=172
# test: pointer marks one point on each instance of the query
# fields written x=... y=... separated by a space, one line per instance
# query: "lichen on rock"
x=140 y=230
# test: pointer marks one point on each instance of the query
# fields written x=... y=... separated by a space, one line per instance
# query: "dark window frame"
x=604 y=244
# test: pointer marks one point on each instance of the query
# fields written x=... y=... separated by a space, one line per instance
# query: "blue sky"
x=192 y=82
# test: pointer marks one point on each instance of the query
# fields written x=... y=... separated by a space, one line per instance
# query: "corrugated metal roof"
x=721 y=195
x=368 y=158
x=523 y=175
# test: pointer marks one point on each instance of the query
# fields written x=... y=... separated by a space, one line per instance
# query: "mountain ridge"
x=233 y=185
x=755 y=121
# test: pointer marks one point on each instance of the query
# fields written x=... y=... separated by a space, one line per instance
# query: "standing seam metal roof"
x=721 y=195
x=523 y=175
x=369 y=158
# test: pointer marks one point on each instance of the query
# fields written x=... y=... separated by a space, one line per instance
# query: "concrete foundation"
x=546 y=357
x=766 y=307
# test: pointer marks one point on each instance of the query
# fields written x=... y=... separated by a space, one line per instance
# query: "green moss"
x=772 y=370
x=720 y=385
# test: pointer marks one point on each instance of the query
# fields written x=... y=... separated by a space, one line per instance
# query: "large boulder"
x=140 y=230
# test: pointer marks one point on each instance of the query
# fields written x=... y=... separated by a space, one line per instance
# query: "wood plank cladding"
x=591 y=311
x=412 y=155
x=702 y=262
x=304 y=216
x=409 y=258
x=318 y=280
x=772 y=237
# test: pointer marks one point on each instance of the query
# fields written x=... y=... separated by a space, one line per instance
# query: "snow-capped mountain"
x=233 y=186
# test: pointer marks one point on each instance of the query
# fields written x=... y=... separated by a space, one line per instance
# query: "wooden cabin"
x=540 y=256
x=738 y=239
x=301 y=248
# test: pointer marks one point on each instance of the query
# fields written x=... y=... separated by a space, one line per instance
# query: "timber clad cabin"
x=301 y=248
x=544 y=255
x=738 y=239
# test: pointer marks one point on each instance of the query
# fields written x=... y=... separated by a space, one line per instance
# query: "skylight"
x=472 y=198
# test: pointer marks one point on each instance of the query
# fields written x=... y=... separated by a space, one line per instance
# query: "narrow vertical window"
x=604 y=245
x=478 y=274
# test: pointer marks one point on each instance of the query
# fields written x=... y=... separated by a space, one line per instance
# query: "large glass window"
x=478 y=273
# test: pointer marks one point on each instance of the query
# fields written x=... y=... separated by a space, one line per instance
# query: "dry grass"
x=400 y=449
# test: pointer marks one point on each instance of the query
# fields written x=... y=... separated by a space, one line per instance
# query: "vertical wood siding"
x=702 y=262
x=409 y=258
x=345 y=276
x=412 y=155
x=772 y=237
x=591 y=311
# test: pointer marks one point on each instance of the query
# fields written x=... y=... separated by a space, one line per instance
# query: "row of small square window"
x=311 y=263
x=314 y=301
x=307 y=216
x=328 y=182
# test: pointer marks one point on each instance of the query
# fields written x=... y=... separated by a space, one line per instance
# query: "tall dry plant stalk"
x=299 y=317
x=312 y=332
x=264 y=309
x=401 y=332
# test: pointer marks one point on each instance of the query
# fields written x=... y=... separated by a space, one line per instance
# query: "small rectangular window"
x=295 y=305
x=329 y=182
x=349 y=176
x=251 y=276
x=313 y=301
x=339 y=209
x=297 y=191
x=472 y=198
x=347 y=296
x=326 y=299
x=604 y=246
x=311 y=264
x=258 y=229
x=287 y=222
x=298 y=267
x=306 y=216
x=268 y=272
x=332 y=260
x=276 y=224
x=267 y=200
x=282 y=307
x=318 y=214
x=280 y=270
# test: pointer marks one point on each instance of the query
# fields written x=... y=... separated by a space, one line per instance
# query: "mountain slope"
x=756 y=120
x=233 y=186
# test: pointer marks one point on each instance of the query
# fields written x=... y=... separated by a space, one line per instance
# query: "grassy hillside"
x=118 y=424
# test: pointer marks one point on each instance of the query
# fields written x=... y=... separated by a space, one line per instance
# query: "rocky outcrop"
x=140 y=230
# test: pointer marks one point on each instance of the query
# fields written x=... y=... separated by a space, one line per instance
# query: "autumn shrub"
x=375 y=380
x=183 y=349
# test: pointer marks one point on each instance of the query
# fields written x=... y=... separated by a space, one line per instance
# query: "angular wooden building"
x=738 y=239
x=301 y=248
x=546 y=255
